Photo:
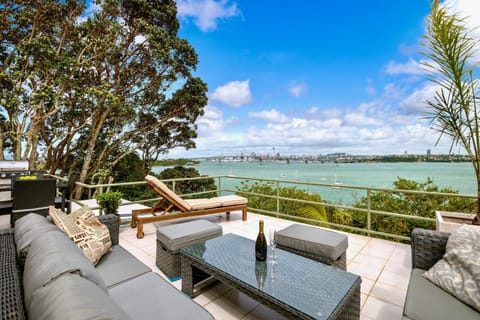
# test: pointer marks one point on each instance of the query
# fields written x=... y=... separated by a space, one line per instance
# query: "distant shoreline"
x=335 y=158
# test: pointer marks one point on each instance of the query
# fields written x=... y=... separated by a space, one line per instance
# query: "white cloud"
x=269 y=115
x=211 y=123
x=206 y=13
x=358 y=119
x=411 y=67
x=234 y=94
x=312 y=110
x=373 y=127
x=297 y=89
x=468 y=9
x=392 y=91
x=415 y=102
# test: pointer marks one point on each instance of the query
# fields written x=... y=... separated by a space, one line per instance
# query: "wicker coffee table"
x=295 y=286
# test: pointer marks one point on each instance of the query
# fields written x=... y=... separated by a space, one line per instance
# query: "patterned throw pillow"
x=458 y=272
x=84 y=228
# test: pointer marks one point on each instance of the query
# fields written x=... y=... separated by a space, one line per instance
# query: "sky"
x=313 y=77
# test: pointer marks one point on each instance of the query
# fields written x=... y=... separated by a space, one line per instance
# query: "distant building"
x=429 y=152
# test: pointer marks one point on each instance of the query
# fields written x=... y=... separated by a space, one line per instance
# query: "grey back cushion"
x=51 y=255
x=28 y=228
x=73 y=297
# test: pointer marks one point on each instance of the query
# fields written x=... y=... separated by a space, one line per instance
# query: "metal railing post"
x=173 y=186
x=220 y=185
x=369 y=214
x=278 y=197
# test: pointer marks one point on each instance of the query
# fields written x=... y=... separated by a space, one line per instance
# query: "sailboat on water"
x=336 y=181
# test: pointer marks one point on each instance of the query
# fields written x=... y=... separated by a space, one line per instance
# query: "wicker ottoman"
x=326 y=246
x=172 y=238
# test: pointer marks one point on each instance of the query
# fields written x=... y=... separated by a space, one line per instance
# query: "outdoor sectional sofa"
x=424 y=299
x=57 y=281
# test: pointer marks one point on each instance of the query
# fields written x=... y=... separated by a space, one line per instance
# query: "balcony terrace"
x=383 y=265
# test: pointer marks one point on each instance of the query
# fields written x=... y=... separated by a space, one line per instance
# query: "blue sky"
x=312 y=77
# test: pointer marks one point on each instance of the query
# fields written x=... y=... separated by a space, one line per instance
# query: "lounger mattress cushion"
x=120 y=265
x=231 y=200
x=176 y=236
x=202 y=204
x=151 y=297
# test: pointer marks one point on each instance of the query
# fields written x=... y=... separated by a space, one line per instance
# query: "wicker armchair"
x=427 y=247
x=424 y=299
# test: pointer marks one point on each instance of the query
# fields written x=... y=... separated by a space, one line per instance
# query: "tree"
x=33 y=56
x=408 y=204
x=189 y=186
x=453 y=109
x=85 y=91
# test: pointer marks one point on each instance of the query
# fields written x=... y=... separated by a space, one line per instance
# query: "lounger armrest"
x=428 y=247
x=112 y=221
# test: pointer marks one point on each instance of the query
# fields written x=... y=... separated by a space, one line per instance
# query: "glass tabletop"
x=304 y=284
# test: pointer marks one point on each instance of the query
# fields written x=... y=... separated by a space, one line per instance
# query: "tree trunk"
x=97 y=123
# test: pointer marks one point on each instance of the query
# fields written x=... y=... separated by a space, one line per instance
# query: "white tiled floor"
x=383 y=265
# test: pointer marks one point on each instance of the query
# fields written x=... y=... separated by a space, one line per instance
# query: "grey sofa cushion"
x=427 y=301
x=51 y=255
x=313 y=240
x=149 y=296
x=28 y=228
x=119 y=265
x=73 y=297
x=177 y=236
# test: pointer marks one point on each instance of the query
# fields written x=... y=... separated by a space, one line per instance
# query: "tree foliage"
x=82 y=90
x=293 y=208
x=409 y=204
x=453 y=109
x=189 y=186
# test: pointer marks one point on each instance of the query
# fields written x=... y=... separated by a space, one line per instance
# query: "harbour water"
x=458 y=175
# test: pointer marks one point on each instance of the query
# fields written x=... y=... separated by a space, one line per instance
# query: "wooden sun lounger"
x=173 y=206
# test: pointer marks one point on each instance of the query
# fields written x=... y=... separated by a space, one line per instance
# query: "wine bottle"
x=261 y=244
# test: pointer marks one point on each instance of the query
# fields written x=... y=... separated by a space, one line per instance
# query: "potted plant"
x=109 y=201
x=453 y=108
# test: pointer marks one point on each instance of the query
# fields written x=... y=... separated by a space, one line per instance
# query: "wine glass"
x=273 y=243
